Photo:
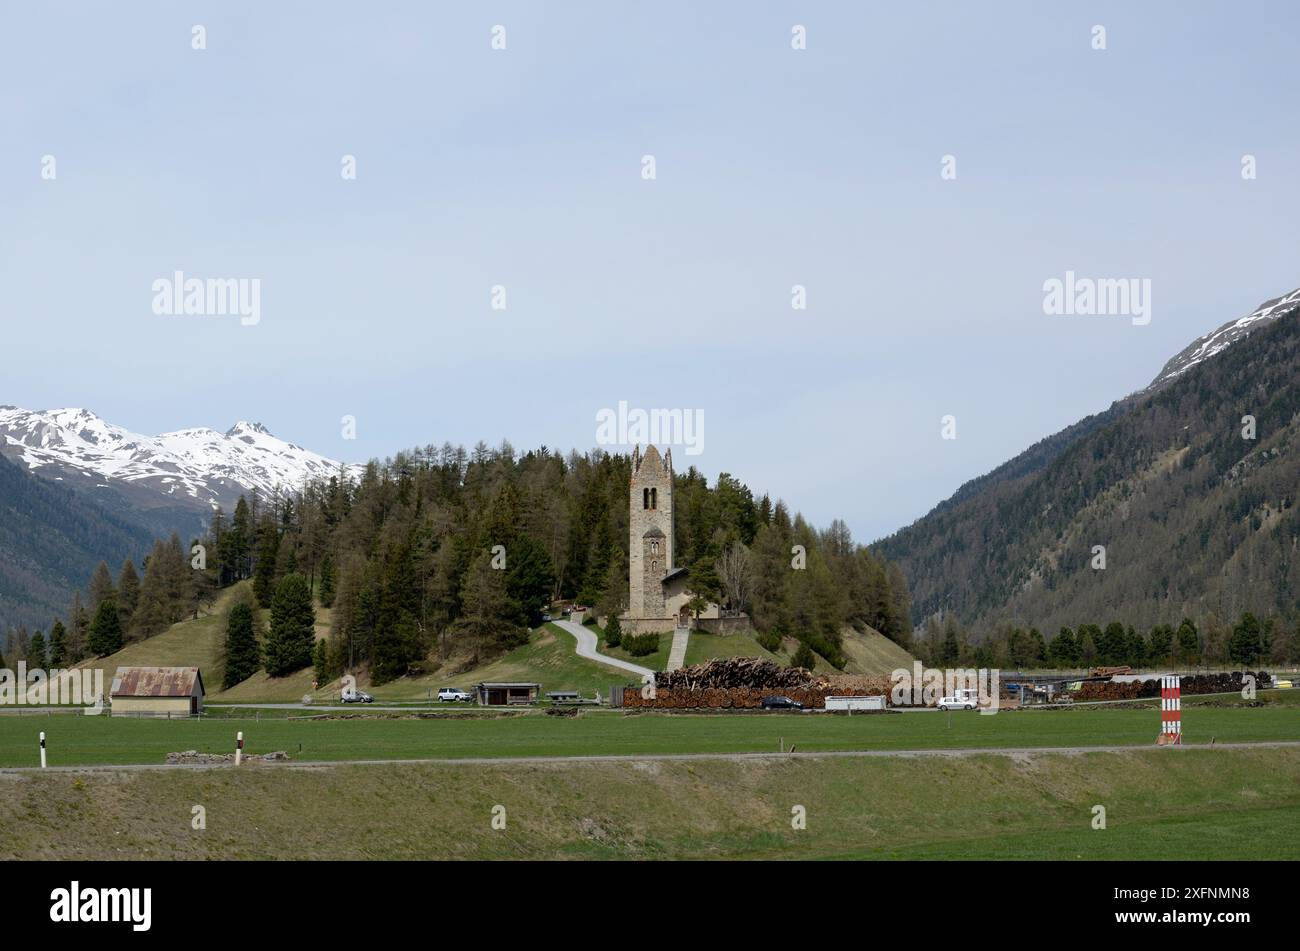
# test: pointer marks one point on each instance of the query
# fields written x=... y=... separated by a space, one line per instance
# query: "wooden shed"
x=157 y=692
x=505 y=694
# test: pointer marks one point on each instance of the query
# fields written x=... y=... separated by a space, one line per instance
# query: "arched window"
x=645 y=498
x=654 y=500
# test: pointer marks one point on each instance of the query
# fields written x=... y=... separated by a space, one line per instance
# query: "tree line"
x=1245 y=643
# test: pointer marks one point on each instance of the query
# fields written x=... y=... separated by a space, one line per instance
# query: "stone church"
x=658 y=593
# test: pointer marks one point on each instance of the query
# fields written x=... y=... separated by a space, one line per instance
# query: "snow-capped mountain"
x=191 y=467
x=1216 y=341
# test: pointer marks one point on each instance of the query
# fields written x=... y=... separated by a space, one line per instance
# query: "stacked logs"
x=737 y=672
x=741 y=683
x=1191 y=684
x=740 y=698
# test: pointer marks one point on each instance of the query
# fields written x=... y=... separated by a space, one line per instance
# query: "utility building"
x=157 y=692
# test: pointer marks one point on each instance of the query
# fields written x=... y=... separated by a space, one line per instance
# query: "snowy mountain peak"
x=241 y=428
x=1218 y=340
x=191 y=466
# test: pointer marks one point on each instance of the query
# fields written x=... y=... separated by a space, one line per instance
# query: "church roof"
x=651 y=461
x=674 y=574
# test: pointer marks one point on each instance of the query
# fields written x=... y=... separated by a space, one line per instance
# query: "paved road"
x=671 y=757
x=348 y=707
x=586 y=639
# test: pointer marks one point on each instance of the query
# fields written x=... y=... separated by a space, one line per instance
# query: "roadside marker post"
x=42 y=749
x=1171 y=712
x=239 y=747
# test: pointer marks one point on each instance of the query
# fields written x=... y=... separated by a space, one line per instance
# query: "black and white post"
x=42 y=749
x=239 y=747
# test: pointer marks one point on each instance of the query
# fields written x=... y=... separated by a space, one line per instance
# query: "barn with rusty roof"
x=157 y=692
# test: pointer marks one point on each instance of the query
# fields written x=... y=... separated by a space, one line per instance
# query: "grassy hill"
x=548 y=658
x=193 y=643
x=200 y=642
x=871 y=653
x=868 y=652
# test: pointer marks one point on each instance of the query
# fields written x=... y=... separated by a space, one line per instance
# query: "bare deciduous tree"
x=734 y=573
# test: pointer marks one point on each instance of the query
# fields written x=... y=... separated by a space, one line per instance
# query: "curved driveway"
x=586 y=639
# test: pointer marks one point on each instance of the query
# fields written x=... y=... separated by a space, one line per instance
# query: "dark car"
x=780 y=703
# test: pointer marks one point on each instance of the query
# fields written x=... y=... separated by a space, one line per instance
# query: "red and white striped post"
x=239 y=747
x=1171 y=712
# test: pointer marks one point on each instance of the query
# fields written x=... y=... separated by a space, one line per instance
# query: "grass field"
x=78 y=740
x=1194 y=804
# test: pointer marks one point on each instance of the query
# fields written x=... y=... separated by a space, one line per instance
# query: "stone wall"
x=723 y=625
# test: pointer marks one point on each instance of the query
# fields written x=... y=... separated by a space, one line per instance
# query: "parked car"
x=454 y=695
x=547 y=617
x=358 y=696
x=780 y=703
x=961 y=700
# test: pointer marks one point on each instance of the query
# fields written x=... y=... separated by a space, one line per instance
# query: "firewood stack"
x=741 y=683
x=731 y=672
x=1192 y=684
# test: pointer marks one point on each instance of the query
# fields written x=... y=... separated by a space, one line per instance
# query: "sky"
x=523 y=168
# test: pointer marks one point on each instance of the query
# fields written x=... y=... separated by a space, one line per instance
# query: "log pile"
x=741 y=683
x=739 y=698
x=1109 y=690
x=738 y=672
x=1190 y=686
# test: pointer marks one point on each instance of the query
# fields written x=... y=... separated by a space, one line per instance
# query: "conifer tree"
x=804 y=657
x=128 y=593
x=1246 y=644
x=243 y=656
x=105 y=635
x=36 y=651
x=268 y=549
x=101 y=586
x=327 y=581
x=1189 y=641
x=78 y=630
x=292 y=636
x=240 y=540
x=397 y=637
x=58 y=645
x=613 y=631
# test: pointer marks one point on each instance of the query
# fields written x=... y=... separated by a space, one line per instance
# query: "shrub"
x=639 y=645
x=769 y=642
x=613 y=632
x=804 y=657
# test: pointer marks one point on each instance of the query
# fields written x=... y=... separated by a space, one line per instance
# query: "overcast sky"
x=523 y=168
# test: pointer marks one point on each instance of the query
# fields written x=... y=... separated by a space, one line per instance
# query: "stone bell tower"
x=650 y=547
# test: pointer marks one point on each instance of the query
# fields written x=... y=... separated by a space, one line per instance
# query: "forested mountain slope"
x=51 y=538
x=1195 y=519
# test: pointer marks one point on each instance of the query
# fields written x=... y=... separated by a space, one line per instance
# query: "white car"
x=961 y=700
x=452 y=695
